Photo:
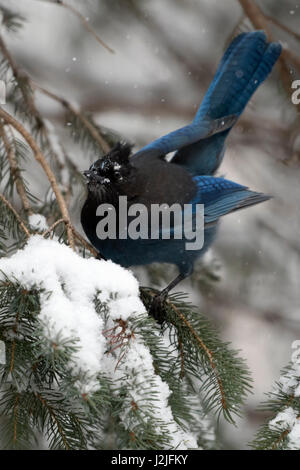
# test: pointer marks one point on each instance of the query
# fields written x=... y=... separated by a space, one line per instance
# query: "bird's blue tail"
x=245 y=65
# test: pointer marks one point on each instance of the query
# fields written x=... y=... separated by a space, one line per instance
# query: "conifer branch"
x=223 y=377
x=54 y=418
x=283 y=402
x=18 y=218
x=15 y=172
x=13 y=347
x=29 y=100
x=40 y=158
x=95 y=134
x=22 y=79
x=281 y=438
x=181 y=358
x=86 y=244
x=25 y=84
x=16 y=416
x=77 y=235
x=205 y=349
x=12 y=21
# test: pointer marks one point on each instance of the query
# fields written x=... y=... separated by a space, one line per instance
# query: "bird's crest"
x=113 y=167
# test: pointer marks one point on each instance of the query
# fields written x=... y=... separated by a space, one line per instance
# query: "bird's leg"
x=159 y=299
x=172 y=284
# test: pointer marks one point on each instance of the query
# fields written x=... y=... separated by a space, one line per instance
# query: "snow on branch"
x=68 y=285
x=283 y=431
x=69 y=288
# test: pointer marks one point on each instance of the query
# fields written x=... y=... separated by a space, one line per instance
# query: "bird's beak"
x=93 y=178
x=87 y=174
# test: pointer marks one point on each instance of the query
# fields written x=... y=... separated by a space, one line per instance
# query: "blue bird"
x=148 y=179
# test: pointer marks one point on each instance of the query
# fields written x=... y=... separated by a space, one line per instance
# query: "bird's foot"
x=157 y=307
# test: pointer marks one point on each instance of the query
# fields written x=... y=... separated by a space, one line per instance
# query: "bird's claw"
x=156 y=308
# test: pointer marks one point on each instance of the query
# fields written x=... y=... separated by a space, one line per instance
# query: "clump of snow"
x=288 y=420
x=38 y=222
x=69 y=311
x=284 y=419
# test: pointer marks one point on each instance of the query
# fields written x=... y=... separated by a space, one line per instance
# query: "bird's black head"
x=111 y=170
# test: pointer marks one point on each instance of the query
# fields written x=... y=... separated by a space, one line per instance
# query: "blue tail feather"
x=262 y=71
x=234 y=76
x=245 y=65
x=232 y=46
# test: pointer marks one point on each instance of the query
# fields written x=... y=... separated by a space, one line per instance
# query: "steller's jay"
x=148 y=178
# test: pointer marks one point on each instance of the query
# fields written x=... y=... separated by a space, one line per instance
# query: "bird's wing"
x=220 y=197
x=186 y=135
x=217 y=197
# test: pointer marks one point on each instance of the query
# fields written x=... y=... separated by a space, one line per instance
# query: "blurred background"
x=165 y=55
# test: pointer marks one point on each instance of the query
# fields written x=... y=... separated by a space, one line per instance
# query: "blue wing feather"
x=221 y=196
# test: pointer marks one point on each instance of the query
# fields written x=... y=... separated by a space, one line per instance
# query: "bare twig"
x=10 y=207
x=86 y=244
x=50 y=229
x=40 y=158
x=283 y=27
x=86 y=25
x=15 y=171
x=292 y=57
x=77 y=235
x=84 y=22
x=255 y=15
